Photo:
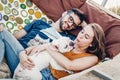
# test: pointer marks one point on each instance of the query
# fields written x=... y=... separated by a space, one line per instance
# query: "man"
x=71 y=19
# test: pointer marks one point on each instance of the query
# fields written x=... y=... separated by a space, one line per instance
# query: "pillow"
x=53 y=9
x=15 y=14
x=111 y=26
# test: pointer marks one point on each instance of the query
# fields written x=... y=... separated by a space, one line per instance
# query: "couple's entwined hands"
x=26 y=61
x=37 y=49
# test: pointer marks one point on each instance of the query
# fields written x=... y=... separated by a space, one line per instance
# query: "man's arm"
x=20 y=34
x=27 y=29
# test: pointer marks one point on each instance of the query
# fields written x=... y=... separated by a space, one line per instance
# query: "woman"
x=88 y=51
x=89 y=40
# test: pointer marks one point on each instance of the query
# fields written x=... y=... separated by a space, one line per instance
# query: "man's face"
x=69 y=21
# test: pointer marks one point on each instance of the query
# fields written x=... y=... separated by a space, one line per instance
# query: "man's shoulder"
x=40 y=21
x=36 y=25
x=42 y=24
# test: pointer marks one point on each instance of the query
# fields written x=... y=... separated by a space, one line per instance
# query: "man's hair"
x=79 y=13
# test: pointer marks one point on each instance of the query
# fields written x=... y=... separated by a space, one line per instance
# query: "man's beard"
x=61 y=24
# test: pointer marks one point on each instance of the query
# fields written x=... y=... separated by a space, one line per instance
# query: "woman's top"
x=70 y=55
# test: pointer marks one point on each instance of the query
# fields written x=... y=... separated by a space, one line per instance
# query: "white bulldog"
x=43 y=60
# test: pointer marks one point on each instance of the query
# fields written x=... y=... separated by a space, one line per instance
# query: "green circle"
x=29 y=3
x=24 y=13
x=7 y=10
x=5 y=17
x=15 y=24
x=4 y=1
x=23 y=6
x=44 y=19
x=15 y=12
x=27 y=21
x=30 y=17
x=15 y=31
x=50 y=22
x=19 y=20
x=2 y=24
x=7 y=25
x=1 y=7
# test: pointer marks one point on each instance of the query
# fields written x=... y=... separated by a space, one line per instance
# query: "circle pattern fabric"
x=15 y=14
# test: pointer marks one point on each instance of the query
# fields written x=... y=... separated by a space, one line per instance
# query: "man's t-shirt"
x=35 y=28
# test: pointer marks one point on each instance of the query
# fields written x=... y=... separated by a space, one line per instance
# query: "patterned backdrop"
x=15 y=14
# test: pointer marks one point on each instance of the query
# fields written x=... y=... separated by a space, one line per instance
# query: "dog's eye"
x=66 y=46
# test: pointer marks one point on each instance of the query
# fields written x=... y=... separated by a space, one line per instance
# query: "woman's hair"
x=98 y=43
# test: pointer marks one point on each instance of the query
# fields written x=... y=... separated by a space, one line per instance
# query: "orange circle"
x=21 y=0
x=11 y=1
x=12 y=17
x=31 y=11
x=20 y=27
x=37 y=14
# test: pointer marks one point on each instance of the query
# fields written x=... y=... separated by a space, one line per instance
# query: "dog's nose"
x=71 y=44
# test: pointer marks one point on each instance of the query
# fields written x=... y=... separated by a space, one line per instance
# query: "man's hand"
x=38 y=49
x=25 y=61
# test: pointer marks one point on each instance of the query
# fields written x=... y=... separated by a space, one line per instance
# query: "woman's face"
x=85 y=37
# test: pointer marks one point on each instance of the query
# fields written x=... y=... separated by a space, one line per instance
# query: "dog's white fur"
x=38 y=41
x=43 y=59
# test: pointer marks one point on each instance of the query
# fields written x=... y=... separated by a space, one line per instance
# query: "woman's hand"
x=25 y=61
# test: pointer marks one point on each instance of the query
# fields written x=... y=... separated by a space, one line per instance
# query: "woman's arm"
x=77 y=64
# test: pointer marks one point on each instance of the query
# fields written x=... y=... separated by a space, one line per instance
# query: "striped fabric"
x=4 y=70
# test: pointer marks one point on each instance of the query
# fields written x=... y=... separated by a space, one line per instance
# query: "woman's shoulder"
x=90 y=55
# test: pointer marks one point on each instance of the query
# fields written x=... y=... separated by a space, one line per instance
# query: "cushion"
x=53 y=9
x=15 y=14
x=111 y=26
